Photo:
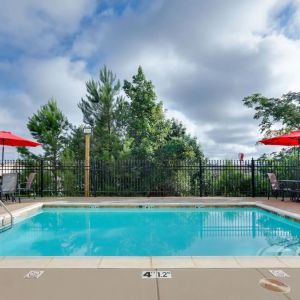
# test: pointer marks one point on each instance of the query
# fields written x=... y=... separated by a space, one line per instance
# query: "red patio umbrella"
x=9 y=139
x=289 y=139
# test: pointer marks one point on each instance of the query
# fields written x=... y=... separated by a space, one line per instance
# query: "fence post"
x=42 y=177
x=253 y=178
x=93 y=171
x=200 y=178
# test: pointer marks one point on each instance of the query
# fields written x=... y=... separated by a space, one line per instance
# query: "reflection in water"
x=205 y=231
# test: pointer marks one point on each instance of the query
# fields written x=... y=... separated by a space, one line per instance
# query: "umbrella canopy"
x=289 y=139
x=9 y=139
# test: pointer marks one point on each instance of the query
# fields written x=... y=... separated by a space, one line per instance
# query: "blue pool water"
x=152 y=232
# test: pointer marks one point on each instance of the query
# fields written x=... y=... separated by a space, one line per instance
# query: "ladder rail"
x=9 y=212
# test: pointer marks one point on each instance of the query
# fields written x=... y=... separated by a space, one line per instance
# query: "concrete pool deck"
x=115 y=284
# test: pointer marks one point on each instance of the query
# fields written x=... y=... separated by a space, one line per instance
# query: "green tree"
x=49 y=126
x=176 y=130
x=100 y=110
x=146 y=127
x=178 y=144
x=75 y=147
x=26 y=154
x=283 y=112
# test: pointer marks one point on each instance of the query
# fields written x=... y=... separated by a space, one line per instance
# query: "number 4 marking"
x=148 y=274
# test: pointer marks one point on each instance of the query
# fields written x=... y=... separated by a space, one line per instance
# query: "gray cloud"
x=203 y=57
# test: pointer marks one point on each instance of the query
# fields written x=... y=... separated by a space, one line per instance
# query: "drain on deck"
x=274 y=285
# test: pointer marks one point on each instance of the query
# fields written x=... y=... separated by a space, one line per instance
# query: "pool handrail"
x=10 y=214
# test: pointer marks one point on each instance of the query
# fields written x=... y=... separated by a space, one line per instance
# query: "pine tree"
x=100 y=112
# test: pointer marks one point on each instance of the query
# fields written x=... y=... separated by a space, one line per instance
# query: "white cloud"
x=283 y=63
x=59 y=78
x=35 y=25
x=202 y=56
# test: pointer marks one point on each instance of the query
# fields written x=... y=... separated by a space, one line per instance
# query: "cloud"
x=42 y=79
x=38 y=26
x=59 y=78
x=203 y=57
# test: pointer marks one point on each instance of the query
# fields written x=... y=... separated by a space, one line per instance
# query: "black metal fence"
x=146 y=178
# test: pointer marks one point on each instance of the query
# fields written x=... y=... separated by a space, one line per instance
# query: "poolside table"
x=293 y=185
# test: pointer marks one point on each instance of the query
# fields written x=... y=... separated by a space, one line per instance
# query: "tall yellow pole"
x=87 y=164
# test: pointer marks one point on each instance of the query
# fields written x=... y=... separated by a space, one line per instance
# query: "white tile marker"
x=156 y=274
x=34 y=274
x=279 y=273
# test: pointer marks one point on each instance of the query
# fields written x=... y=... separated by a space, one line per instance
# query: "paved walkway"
x=116 y=284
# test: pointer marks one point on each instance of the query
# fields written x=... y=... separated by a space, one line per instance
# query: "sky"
x=202 y=56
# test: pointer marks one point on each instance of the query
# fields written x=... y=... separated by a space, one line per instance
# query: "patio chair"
x=276 y=187
x=27 y=186
x=9 y=185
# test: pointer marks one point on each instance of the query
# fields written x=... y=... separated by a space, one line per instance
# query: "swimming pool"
x=244 y=231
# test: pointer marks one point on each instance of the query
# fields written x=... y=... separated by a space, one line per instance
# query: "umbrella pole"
x=298 y=162
x=2 y=158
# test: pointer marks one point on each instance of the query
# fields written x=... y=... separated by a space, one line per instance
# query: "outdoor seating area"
x=11 y=188
x=283 y=188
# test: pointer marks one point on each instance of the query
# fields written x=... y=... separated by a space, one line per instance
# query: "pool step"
x=5 y=223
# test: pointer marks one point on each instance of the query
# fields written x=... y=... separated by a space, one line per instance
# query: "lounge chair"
x=9 y=185
x=27 y=186
x=276 y=187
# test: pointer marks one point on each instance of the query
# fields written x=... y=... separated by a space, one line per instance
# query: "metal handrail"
x=8 y=211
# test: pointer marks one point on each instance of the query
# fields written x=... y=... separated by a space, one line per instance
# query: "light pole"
x=87 y=137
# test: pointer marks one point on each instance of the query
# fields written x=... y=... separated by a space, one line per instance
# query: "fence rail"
x=148 y=178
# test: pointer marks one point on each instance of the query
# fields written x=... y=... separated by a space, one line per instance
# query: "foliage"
x=100 y=109
x=26 y=154
x=178 y=145
x=132 y=128
x=228 y=179
x=74 y=149
x=146 y=127
x=50 y=127
x=283 y=112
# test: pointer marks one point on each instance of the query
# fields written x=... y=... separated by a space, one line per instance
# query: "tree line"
x=127 y=122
